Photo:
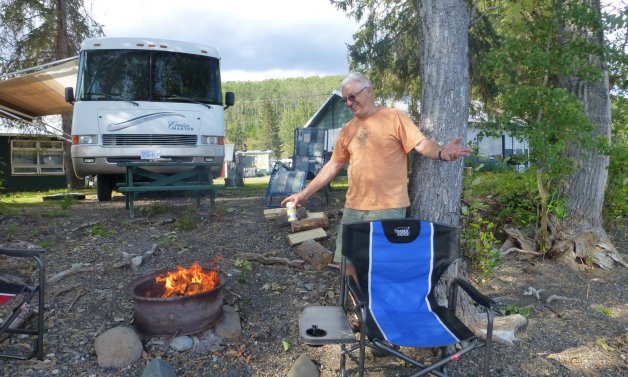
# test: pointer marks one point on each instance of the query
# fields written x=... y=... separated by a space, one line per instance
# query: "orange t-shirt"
x=377 y=151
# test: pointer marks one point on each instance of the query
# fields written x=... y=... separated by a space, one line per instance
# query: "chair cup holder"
x=315 y=332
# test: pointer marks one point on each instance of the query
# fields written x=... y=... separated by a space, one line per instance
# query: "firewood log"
x=315 y=254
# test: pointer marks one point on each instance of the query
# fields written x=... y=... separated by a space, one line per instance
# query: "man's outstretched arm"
x=324 y=176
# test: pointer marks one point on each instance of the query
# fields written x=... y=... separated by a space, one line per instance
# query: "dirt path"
x=583 y=333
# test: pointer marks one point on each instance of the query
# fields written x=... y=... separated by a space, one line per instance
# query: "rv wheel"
x=104 y=187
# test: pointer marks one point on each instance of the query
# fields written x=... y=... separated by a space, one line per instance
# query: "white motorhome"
x=139 y=99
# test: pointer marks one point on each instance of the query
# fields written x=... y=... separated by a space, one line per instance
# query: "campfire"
x=182 y=301
x=188 y=281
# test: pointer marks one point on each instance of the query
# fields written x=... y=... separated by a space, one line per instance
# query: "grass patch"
x=187 y=221
x=603 y=310
x=154 y=210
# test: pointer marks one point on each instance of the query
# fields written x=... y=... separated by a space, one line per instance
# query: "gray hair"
x=356 y=77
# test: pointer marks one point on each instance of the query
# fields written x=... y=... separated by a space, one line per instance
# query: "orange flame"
x=188 y=281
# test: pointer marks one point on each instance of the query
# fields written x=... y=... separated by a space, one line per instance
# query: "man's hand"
x=295 y=198
x=453 y=150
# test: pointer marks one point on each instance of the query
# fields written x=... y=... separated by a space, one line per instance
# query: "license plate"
x=149 y=155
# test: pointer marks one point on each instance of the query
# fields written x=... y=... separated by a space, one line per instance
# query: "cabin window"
x=36 y=157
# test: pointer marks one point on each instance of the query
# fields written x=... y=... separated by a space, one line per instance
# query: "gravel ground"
x=572 y=336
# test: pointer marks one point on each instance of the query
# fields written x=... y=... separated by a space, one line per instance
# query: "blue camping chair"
x=24 y=294
x=398 y=263
x=310 y=148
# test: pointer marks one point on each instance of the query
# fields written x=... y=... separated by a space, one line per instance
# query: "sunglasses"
x=351 y=97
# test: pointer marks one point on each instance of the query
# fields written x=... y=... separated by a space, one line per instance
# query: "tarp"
x=39 y=93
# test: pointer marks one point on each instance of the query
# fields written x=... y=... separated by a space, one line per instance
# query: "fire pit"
x=164 y=308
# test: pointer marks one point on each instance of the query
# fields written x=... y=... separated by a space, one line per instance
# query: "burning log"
x=188 y=281
x=159 y=312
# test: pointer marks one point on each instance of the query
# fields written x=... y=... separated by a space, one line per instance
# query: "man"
x=375 y=142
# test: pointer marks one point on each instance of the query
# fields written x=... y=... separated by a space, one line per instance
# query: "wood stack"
x=309 y=227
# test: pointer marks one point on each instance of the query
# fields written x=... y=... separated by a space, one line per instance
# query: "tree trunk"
x=436 y=186
x=71 y=180
x=582 y=233
x=62 y=51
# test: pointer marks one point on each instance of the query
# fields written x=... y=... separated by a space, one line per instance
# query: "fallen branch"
x=85 y=225
x=78 y=295
x=71 y=271
x=64 y=288
x=296 y=263
x=525 y=242
x=518 y=250
x=563 y=298
x=531 y=291
x=134 y=260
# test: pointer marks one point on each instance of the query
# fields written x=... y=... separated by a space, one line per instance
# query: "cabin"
x=31 y=159
x=255 y=163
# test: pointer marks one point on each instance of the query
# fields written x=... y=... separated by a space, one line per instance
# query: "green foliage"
x=616 y=198
x=245 y=267
x=603 y=310
x=515 y=309
x=615 y=20
x=243 y=264
x=11 y=229
x=67 y=202
x=170 y=240
x=294 y=101
x=269 y=127
x=479 y=243
x=100 y=231
x=29 y=33
x=56 y=213
x=154 y=210
x=252 y=187
x=508 y=197
x=188 y=220
x=45 y=244
x=543 y=46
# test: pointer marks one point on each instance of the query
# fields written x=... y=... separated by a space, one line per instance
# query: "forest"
x=267 y=112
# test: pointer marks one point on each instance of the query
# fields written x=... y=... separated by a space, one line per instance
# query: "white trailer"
x=141 y=99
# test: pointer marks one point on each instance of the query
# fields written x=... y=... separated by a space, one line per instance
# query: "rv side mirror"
x=229 y=99
x=69 y=94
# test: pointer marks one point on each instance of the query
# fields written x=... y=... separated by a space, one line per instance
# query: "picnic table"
x=157 y=176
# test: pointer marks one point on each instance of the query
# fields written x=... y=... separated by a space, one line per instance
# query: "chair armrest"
x=21 y=253
x=354 y=288
x=475 y=294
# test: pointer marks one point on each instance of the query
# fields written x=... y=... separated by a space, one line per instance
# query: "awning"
x=39 y=93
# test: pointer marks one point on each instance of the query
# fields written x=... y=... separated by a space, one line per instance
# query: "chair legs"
x=26 y=296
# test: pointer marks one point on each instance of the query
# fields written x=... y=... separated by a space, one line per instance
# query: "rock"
x=229 y=325
x=303 y=367
x=158 y=368
x=118 y=347
x=182 y=343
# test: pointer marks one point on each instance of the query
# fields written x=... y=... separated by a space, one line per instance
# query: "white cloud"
x=256 y=39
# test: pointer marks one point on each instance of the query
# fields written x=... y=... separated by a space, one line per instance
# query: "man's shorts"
x=353 y=216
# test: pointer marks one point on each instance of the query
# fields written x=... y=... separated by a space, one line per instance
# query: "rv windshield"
x=139 y=75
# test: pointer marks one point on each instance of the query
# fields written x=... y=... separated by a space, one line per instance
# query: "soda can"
x=291 y=211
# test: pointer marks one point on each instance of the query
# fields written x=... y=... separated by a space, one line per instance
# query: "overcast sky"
x=256 y=39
